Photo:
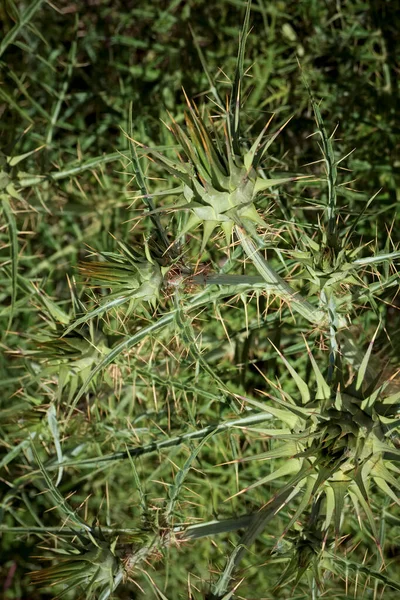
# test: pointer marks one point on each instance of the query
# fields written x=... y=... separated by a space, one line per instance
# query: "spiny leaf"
x=301 y=384
x=362 y=371
x=331 y=169
x=340 y=489
x=323 y=389
x=175 y=489
x=60 y=502
x=307 y=494
x=291 y=466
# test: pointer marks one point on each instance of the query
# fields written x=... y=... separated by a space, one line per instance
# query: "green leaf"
x=60 y=503
x=53 y=426
x=16 y=450
x=291 y=466
x=265 y=184
x=235 y=99
x=307 y=494
x=340 y=489
x=23 y=20
x=330 y=165
x=323 y=389
x=362 y=371
x=13 y=234
x=359 y=493
x=301 y=384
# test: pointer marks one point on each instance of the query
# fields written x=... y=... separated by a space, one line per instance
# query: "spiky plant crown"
x=89 y=567
x=220 y=177
x=335 y=270
x=338 y=441
x=220 y=181
x=326 y=267
x=127 y=273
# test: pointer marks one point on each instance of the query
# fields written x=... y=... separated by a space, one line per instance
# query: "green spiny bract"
x=324 y=267
x=127 y=273
x=334 y=270
x=342 y=440
x=220 y=183
x=77 y=349
x=307 y=542
x=68 y=358
x=90 y=566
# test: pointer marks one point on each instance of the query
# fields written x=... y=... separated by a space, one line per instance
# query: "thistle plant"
x=343 y=436
x=252 y=447
x=89 y=566
x=128 y=274
x=220 y=178
x=220 y=181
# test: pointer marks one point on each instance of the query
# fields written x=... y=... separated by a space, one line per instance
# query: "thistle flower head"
x=341 y=439
x=90 y=568
x=127 y=273
x=220 y=182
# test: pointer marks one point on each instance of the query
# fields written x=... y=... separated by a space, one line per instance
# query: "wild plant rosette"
x=337 y=442
x=339 y=439
x=128 y=274
x=220 y=181
x=89 y=567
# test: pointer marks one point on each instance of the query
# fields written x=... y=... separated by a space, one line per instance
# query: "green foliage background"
x=69 y=72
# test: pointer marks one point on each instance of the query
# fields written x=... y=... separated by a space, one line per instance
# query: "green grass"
x=199 y=316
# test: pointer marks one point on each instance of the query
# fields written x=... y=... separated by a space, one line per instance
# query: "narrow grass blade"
x=213 y=89
x=14 y=452
x=235 y=99
x=13 y=234
x=53 y=426
x=23 y=20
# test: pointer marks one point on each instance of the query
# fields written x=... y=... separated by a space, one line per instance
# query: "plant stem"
x=282 y=289
x=168 y=443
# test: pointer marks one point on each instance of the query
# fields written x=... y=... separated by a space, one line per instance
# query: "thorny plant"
x=333 y=442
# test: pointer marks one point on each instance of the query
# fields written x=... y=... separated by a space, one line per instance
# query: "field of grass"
x=199 y=252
